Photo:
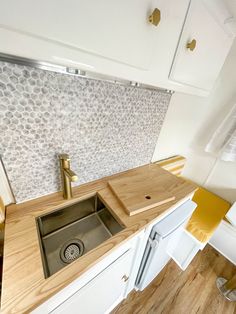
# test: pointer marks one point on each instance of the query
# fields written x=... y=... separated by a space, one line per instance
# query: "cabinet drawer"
x=103 y=292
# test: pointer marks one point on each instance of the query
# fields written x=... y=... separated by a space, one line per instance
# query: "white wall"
x=188 y=125
x=5 y=190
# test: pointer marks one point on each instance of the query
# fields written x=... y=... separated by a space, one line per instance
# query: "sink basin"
x=70 y=232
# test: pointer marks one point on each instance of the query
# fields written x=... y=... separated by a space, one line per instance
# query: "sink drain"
x=71 y=250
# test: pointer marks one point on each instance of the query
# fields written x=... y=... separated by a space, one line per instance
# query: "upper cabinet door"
x=204 y=44
x=117 y=30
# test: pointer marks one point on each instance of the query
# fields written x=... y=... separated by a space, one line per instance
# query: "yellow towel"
x=210 y=210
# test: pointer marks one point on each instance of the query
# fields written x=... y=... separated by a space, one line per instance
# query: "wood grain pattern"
x=147 y=217
x=24 y=286
x=231 y=283
x=2 y=213
x=173 y=164
x=189 y=292
x=141 y=190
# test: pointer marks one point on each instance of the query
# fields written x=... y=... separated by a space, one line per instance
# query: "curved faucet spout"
x=71 y=175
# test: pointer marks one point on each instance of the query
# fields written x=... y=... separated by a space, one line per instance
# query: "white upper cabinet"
x=204 y=44
x=109 y=37
x=118 y=31
x=116 y=38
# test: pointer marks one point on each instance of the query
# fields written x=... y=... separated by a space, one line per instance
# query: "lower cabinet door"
x=183 y=248
x=102 y=293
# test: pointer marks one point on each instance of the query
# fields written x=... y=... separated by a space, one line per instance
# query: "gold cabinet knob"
x=125 y=278
x=191 y=45
x=155 y=17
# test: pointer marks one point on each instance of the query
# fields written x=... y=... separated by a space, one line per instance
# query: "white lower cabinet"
x=102 y=287
x=103 y=292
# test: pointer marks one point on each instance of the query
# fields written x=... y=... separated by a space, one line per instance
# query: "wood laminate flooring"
x=189 y=292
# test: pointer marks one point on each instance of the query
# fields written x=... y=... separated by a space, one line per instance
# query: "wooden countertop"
x=24 y=286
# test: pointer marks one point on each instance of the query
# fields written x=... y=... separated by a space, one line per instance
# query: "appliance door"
x=154 y=260
x=155 y=256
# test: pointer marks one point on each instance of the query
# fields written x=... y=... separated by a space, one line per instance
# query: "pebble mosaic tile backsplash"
x=104 y=127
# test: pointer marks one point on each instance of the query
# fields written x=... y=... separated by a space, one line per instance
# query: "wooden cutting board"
x=141 y=191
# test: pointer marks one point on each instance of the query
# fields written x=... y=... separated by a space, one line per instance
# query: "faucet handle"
x=64 y=157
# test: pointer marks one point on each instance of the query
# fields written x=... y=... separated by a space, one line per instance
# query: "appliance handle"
x=153 y=242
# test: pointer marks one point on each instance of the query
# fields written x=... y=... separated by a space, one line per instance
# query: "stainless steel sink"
x=72 y=231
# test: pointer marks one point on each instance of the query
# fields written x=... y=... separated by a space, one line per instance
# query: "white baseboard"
x=224 y=241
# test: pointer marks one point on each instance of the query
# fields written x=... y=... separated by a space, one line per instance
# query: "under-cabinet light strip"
x=76 y=72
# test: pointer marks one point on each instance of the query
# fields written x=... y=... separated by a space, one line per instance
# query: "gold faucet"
x=67 y=175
